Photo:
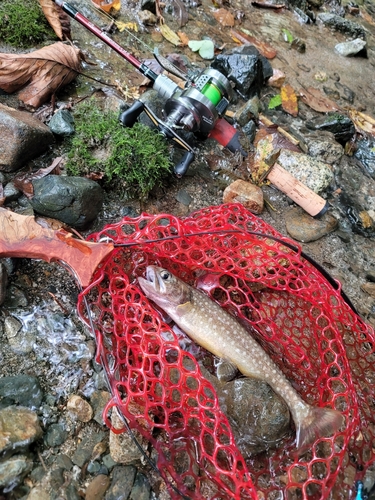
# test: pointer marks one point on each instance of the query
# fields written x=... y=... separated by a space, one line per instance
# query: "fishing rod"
x=199 y=107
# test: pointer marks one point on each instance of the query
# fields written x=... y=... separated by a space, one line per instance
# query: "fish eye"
x=165 y=274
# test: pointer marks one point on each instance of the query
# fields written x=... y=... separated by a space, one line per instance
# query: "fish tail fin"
x=319 y=422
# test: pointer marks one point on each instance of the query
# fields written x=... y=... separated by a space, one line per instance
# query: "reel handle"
x=130 y=115
x=181 y=168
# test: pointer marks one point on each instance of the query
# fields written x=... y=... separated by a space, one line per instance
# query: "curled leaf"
x=57 y=18
x=40 y=73
x=362 y=122
x=24 y=181
x=317 y=101
x=169 y=34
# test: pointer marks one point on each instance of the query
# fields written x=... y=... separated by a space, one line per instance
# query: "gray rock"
x=184 y=197
x=63 y=462
x=11 y=193
x=319 y=144
x=23 y=390
x=258 y=416
x=341 y=24
x=122 y=447
x=248 y=111
x=19 y=427
x=109 y=462
x=141 y=489
x=250 y=130
x=73 y=200
x=341 y=126
x=20 y=341
x=98 y=400
x=23 y=138
x=85 y=448
x=350 y=48
x=315 y=174
x=62 y=123
x=93 y=467
x=15 y=297
x=13 y=470
x=56 y=435
x=302 y=227
x=122 y=483
x=97 y=487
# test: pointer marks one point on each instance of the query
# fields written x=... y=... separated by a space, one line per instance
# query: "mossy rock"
x=23 y=24
x=131 y=161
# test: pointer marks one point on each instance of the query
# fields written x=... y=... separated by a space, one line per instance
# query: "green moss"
x=132 y=160
x=22 y=23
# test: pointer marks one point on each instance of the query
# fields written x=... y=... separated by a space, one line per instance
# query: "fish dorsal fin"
x=226 y=370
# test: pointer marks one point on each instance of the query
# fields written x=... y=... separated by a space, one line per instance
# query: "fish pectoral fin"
x=184 y=308
x=226 y=370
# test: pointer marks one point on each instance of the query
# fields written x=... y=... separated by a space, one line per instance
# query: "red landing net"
x=322 y=346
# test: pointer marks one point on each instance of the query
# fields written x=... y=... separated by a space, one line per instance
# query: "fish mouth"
x=150 y=284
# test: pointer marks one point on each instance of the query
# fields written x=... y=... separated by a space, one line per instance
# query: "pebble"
x=64 y=462
x=248 y=111
x=20 y=342
x=315 y=174
x=62 y=123
x=15 y=297
x=56 y=435
x=85 y=448
x=184 y=197
x=98 y=400
x=122 y=482
x=302 y=227
x=147 y=17
x=350 y=48
x=246 y=193
x=11 y=193
x=97 y=488
x=277 y=79
x=13 y=470
x=80 y=408
x=19 y=427
x=122 y=448
x=141 y=489
x=3 y=282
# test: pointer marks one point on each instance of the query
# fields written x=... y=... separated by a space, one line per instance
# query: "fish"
x=213 y=328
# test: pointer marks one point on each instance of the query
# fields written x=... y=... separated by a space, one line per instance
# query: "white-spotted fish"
x=210 y=326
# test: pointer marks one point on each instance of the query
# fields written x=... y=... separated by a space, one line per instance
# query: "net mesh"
x=324 y=349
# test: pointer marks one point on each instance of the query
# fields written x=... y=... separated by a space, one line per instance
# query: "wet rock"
x=3 y=282
x=73 y=200
x=122 y=448
x=86 y=447
x=97 y=487
x=98 y=400
x=345 y=92
x=248 y=111
x=246 y=193
x=13 y=470
x=122 y=482
x=19 y=427
x=245 y=67
x=11 y=193
x=15 y=297
x=258 y=416
x=341 y=126
x=352 y=48
x=366 y=154
x=323 y=146
x=80 y=408
x=56 y=435
x=109 y=462
x=342 y=25
x=23 y=138
x=141 y=489
x=250 y=130
x=20 y=341
x=63 y=462
x=62 y=123
x=302 y=227
x=315 y=174
x=23 y=390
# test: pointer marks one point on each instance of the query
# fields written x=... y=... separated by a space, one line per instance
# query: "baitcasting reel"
x=198 y=108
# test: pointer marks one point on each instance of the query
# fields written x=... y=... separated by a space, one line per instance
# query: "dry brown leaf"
x=289 y=100
x=24 y=181
x=57 y=18
x=367 y=17
x=183 y=37
x=317 y=101
x=40 y=73
x=107 y=5
x=362 y=122
x=169 y=35
x=264 y=48
x=277 y=79
x=224 y=17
